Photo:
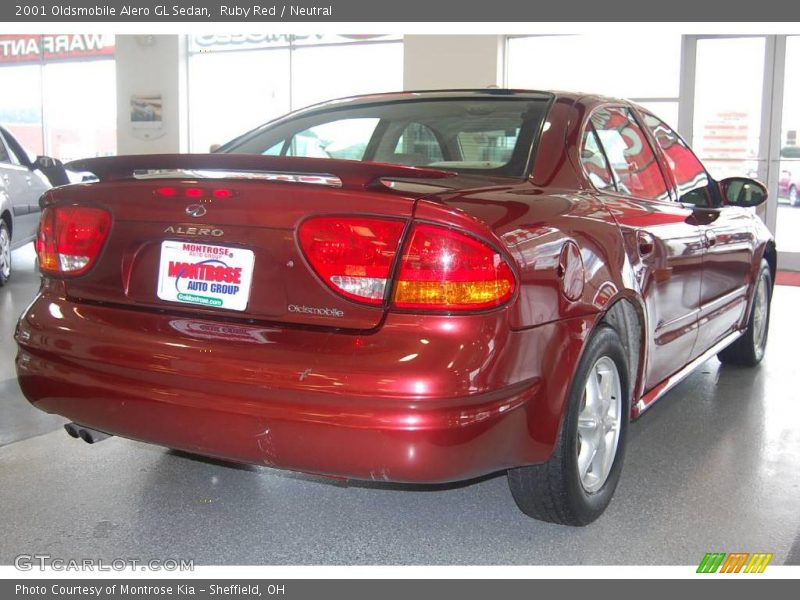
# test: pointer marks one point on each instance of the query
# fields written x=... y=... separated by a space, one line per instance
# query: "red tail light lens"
x=442 y=269
x=353 y=256
x=70 y=238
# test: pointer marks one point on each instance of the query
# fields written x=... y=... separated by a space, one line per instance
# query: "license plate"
x=205 y=275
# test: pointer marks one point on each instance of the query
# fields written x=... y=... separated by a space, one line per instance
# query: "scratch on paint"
x=381 y=474
x=267 y=446
x=305 y=374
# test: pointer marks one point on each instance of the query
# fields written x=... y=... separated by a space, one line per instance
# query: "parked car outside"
x=788 y=184
x=456 y=283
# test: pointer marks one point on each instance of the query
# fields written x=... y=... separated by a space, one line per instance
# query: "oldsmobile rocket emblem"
x=195 y=210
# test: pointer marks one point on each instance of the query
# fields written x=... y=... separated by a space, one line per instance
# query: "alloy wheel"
x=5 y=253
x=599 y=424
x=760 y=316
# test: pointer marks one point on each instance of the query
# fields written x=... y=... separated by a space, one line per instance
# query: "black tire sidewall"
x=588 y=506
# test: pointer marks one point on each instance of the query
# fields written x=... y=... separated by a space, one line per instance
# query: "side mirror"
x=742 y=191
x=44 y=162
x=214 y=147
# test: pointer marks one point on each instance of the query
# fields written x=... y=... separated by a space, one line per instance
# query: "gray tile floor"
x=714 y=466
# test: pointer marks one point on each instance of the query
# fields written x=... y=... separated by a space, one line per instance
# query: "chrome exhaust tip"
x=90 y=436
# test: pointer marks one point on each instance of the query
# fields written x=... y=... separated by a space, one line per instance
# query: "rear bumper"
x=423 y=399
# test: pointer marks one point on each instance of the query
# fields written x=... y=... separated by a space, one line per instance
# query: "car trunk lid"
x=217 y=234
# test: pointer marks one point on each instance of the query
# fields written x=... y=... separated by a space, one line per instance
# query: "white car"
x=24 y=177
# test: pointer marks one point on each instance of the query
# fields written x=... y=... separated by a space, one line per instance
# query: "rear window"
x=487 y=135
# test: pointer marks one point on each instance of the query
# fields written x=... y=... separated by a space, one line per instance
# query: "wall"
x=452 y=61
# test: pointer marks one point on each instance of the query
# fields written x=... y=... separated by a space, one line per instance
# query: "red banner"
x=34 y=48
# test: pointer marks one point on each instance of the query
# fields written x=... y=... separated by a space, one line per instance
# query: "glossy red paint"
x=379 y=392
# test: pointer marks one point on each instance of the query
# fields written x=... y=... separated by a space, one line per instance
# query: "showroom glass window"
x=237 y=82
x=60 y=93
x=629 y=153
x=643 y=67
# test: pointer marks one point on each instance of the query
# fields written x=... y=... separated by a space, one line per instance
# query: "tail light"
x=354 y=256
x=70 y=238
x=443 y=269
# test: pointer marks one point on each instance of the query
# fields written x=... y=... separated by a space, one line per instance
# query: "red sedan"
x=788 y=186
x=416 y=287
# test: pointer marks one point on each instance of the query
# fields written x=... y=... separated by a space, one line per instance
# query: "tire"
x=793 y=196
x=555 y=491
x=5 y=253
x=748 y=350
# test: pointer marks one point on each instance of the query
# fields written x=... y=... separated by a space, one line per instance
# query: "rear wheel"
x=575 y=486
x=5 y=253
x=793 y=199
x=748 y=350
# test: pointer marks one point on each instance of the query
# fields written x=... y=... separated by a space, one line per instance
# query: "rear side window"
x=689 y=173
x=417 y=145
x=594 y=162
x=492 y=147
x=629 y=153
x=344 y=139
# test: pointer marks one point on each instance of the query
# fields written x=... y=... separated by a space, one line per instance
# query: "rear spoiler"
x=319 y=171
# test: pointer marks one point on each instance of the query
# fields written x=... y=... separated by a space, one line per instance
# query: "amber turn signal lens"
x=444 y=269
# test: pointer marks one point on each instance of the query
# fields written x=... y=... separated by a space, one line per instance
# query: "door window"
x=631 y=157
x=690 y=175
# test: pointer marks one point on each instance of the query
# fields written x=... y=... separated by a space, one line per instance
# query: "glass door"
x=787 y=222
x=745 y=120
x=726 y=132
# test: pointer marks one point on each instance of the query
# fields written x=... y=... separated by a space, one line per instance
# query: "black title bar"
x=441 y=11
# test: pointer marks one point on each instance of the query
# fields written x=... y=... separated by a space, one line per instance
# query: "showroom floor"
x=715 y=466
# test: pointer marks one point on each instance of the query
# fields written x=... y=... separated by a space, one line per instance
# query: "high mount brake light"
x=70 y=238
x=440 y=269
x=169 y=191
x=352 y=255
x=443 y=269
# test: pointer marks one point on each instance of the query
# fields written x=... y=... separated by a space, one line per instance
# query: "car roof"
x=586 y=99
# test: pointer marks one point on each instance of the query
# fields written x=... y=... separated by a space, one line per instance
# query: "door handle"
x=711 y=238
x=645 y=243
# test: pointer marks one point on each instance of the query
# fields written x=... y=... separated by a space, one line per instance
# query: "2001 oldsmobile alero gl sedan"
x=416 y=287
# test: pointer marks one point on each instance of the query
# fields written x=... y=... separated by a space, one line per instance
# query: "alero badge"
x=192 y=230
